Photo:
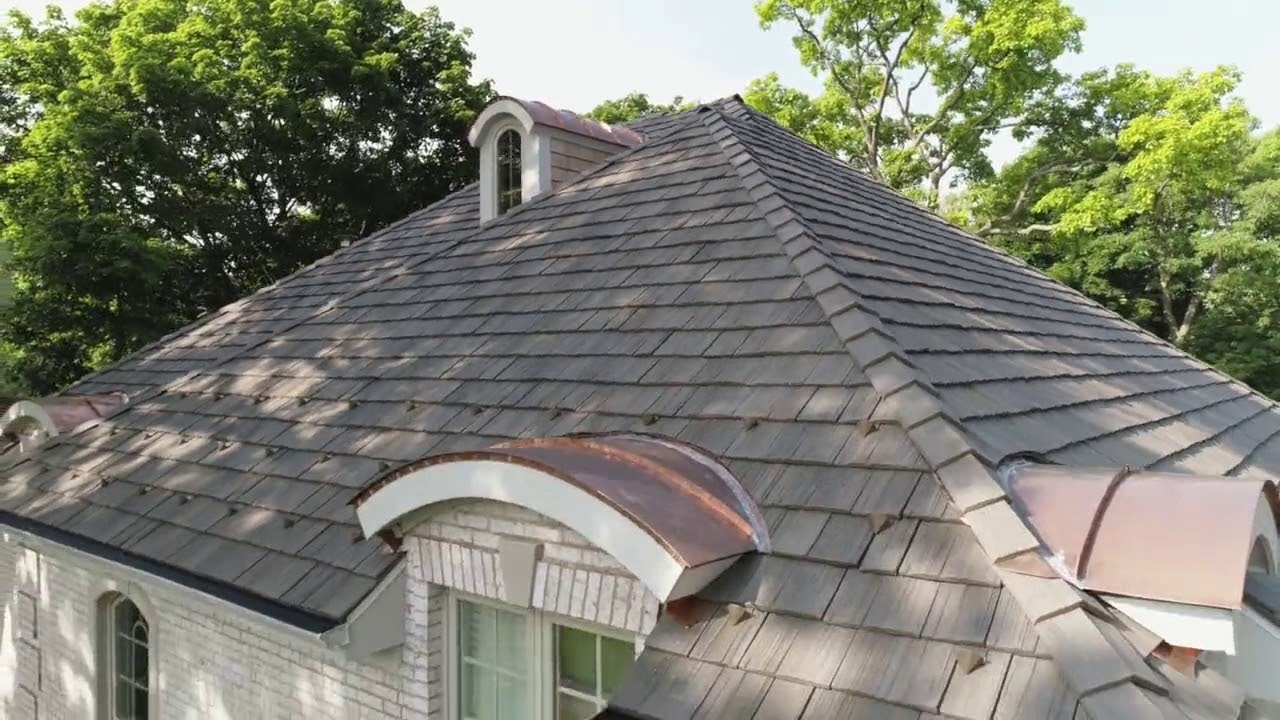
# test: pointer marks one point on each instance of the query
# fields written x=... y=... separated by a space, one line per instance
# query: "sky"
x=575 y=53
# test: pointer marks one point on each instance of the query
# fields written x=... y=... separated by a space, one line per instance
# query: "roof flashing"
x=1167 y=537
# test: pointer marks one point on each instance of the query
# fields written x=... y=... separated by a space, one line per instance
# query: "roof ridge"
x=941 y=439
x=361 y=288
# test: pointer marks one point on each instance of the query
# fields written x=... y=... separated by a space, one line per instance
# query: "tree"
x=1149 y=194
x=160 y=158
x=979 y=62
x=634 y=106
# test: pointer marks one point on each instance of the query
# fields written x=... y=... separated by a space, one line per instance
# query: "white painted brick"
x=576 y=603
x=604 y=601
x=25 y=612
x=213 y=662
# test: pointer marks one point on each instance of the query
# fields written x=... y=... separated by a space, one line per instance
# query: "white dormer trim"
x=535 y=153
x=621 y=537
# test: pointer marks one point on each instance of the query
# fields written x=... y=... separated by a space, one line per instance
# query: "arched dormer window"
x=508 y=172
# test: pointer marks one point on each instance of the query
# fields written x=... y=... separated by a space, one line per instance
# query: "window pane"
x=616 y=659
x=493 y=645
x=140 y=666
x=569 y=707
x=124 y=700
x=476 y=632
x=479 y=693
x=508 y=168
x=126 y=615
x=124 y=656
x=139 y=704
x=576 y=660
x=512 y=639
x=512 y=700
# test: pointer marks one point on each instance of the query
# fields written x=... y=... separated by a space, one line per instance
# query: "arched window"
x=509 y=172
x=127 y=656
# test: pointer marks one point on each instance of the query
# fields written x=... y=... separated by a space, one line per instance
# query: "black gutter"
x=288 y=614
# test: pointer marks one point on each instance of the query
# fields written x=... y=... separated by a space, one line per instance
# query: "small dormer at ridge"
x=529 y=148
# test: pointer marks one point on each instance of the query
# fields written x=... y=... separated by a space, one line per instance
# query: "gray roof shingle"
x=851 y=358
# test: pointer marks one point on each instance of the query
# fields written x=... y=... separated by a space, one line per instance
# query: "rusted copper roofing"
x=689 y=503
x=1160 y=536
x=544 y=114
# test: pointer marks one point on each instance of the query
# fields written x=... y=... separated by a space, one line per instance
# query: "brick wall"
x=214 y=660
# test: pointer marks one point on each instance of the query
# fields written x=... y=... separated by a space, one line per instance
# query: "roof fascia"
x=130 y=568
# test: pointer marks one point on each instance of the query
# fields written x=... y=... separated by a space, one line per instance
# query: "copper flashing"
x=67 y=412
x=544 y=114
x=1153 y=535
x=70 y=411
x=681 y=497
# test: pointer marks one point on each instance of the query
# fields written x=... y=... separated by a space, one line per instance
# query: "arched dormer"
x=529 y=148
x=1190 y=558
x=671 y=515
x=33 y=422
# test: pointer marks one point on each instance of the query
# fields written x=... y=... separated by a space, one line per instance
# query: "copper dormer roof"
x=1154 y=535
x=681 y=498
x=64 y=413
x=533 y=113
x=544 y=114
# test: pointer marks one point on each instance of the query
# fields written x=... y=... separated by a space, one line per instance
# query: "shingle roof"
x=849 y=356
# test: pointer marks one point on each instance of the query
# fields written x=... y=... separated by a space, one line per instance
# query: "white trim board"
x=602 y=524
x=1181 y=624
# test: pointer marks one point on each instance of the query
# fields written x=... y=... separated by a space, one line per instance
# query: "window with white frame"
x=511 y=664
x=509 y=170
x=128 y=661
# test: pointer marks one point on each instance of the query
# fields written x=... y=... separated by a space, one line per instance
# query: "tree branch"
x=1045 y=228
x=890 y=66
x=853 y=92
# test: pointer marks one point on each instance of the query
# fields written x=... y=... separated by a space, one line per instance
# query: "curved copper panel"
x=1160 y=536
x=544 y=114
x=70 y=411
x=682 y=497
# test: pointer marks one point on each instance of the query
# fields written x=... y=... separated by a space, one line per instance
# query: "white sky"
x=574 y=53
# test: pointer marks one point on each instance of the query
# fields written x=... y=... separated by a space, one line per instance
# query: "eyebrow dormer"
x=529 y=148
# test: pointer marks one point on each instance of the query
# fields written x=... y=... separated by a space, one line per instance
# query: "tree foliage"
x=161 y=158
x=916 y=89
x=1150 y=195
x=634 y=106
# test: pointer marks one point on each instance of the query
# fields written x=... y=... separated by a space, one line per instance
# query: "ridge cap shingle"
x=940 y=437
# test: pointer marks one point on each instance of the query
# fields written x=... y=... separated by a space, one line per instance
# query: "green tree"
x=634 y=106
x=916 y=89
x=1149 y=194
x=160 y=158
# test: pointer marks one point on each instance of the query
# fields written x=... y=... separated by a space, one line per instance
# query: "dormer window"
x=508 y=173
x=528 y=149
